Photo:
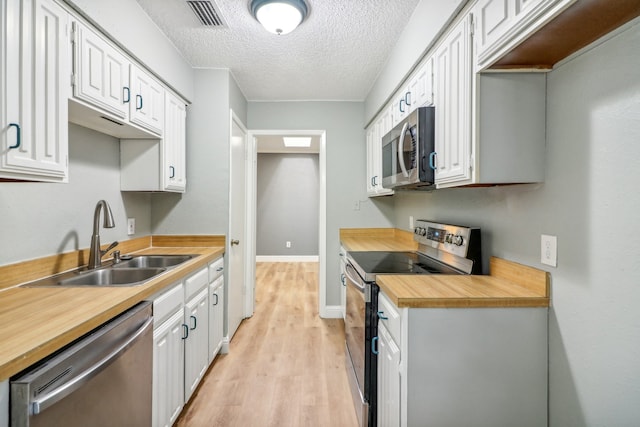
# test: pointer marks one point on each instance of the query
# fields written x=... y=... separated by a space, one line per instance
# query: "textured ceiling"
x=335 y=54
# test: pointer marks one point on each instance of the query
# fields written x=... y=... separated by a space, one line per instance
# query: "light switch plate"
x=131 y=226
x=549 y=250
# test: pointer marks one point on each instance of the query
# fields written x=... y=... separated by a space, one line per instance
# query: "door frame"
x=252 y=161
x=235 y=119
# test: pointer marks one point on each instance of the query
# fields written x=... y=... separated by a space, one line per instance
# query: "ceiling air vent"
x=208 y=14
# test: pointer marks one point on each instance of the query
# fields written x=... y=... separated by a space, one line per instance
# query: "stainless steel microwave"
x=408 y=152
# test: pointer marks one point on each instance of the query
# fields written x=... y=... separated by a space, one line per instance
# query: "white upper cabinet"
x=504 y=24
x=157 y=164
x=147 y=101
x=453 y=105
x=112 y=94
x=421 y=85
x=375 y=132
x=174 y=144
x=34 y=82
x=101 y=77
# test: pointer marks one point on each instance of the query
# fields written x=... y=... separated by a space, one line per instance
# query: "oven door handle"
x=357 y=282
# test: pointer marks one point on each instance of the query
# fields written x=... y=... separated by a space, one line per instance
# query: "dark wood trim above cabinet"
x=579 y=25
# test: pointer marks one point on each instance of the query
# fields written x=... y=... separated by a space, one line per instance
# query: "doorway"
x=265 y=140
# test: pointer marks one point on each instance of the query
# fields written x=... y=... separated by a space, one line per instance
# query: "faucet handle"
x=111 y=246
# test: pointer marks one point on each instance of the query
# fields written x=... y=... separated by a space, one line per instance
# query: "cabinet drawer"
x=167 y=303
x=389 y=316
x=194 y=283
x=216 y=269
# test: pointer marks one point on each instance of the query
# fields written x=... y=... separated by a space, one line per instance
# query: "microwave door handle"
x=401 y=149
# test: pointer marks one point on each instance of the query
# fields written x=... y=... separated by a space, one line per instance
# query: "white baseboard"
x=287 y=258
x=331 y=312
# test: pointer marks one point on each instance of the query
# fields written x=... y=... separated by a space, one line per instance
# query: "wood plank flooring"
x=285 y=366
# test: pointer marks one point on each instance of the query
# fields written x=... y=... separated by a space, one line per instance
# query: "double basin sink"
x=131 y=272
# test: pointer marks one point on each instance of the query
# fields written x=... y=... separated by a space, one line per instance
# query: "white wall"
x=288 y=204
x=41 y=219
x=346 y=162
x=127 y=23
x=422 y=30
x=591 y=202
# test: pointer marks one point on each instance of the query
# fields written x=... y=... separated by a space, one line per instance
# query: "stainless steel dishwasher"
x=103 y=379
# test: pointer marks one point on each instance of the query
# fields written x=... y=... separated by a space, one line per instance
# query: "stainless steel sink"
x=153 y=261
x=112 y=277
x=130 y=272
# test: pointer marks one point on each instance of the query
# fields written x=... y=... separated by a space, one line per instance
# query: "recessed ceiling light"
x=301 y=142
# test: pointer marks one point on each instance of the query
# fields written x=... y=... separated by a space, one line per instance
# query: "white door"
x=237 y=220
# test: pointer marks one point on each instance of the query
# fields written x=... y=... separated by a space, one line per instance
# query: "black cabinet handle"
x=18 y=137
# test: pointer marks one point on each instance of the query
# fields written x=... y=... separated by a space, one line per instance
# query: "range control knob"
x=416 y=230
x=458 y=240
x=448 y=238
x=423 y=231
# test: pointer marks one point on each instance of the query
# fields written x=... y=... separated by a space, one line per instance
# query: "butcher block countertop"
x=35 y=322
x=508 y=284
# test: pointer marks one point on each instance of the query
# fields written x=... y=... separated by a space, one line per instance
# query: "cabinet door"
x=168 y=370
x=453 y=105
x=216 y=316
x=101 y=73
x=147 y=101
x=388 y=380
x=382 y=126
x=197 y=343
x=174 y=140
x=421 y=86
x=35 y=87
x=493 y=18
x=372 y=177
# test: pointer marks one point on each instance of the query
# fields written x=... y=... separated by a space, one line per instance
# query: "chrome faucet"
x=95 y=253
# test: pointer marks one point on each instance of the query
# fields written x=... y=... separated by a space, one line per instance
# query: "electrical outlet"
x=287 y=244
x=131 y=226
x=356 y=205
x=549 y=250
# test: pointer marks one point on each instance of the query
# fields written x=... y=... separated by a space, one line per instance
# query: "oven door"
x=355 y=324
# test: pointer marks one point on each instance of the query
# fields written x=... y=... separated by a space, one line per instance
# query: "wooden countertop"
x=508 y=284
x=377 y=239
x=35 y=322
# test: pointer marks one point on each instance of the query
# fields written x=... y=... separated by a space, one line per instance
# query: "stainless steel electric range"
x=442 y=249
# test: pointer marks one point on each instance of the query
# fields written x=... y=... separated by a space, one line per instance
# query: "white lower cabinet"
x=462 y=366
x=388 y=380
x=181 y=342
x=196 y=317
x=168 y=370
x=216 y=317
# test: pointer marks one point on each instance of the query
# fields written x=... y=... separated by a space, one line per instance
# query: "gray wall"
x=346 y=167
x=204 y=208
x=287 y=204
x=41 y=219
x=590 y=201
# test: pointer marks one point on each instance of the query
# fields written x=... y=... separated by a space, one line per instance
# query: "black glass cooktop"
x=372 y=263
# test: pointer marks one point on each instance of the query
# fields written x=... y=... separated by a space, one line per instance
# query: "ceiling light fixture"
x=279 y=16
x=300 y=142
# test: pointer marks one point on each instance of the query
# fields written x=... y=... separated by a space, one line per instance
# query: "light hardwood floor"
x=285 y=366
